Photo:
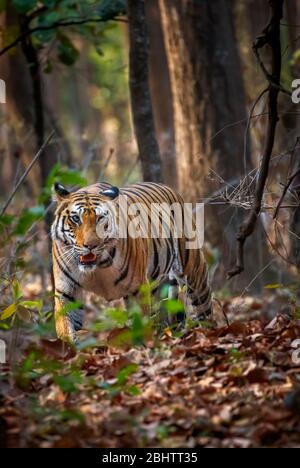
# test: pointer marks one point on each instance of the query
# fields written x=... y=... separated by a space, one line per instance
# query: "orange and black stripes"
x=123 y=264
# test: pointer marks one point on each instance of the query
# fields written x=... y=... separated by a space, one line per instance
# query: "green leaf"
x=134 y=390
x=120 y=317
x=99 y=50
x=24 y=314
x=16 y=289
x=41 y=38
x=72 y=415
x=173 y=306
x=67 y=52
x=35 y=305
x=5 y=221
x=69 y=383
x=28 y=217
x=273 y=286
x=72 y=178
x=50 y=3
x=109 y=9
x=8 y=312
x=64 y=176
x=24 y=6
x=69 y=307
x=125 y=373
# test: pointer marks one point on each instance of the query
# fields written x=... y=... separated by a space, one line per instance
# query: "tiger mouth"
x=88 y=260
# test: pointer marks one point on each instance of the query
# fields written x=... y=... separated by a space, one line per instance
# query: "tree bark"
x=292 y=124
x=210 y=116
x=18 y=115
x=271 y=37
x=207 y=89
x=161 y=94
x=141 y=104
x=25 y=108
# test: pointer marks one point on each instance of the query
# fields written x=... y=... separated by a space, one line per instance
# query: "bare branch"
x=260 y=42
x=247 y=131
x=270 y=37
x=286 y=187
x=28 y=169
x=106 y=164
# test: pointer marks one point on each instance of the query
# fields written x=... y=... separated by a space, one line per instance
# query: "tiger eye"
x=102 y=216
x=75 y=219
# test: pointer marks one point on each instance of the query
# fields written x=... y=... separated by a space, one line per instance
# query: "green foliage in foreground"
x=122 y=328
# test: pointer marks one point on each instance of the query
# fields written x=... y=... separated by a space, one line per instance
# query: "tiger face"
x=85 y=223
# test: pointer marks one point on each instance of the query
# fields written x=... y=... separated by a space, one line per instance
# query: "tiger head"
x=85 y=223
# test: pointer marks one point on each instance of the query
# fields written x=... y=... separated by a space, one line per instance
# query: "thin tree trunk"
x=141 y=104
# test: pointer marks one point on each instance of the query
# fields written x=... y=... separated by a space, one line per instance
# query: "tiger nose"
x=89 y=246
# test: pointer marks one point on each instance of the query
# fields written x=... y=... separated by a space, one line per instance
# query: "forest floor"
x=234 y=386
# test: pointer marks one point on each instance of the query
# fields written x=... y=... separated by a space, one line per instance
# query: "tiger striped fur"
x=115 y=267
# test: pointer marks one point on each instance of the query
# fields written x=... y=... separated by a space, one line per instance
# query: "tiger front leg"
x=67 y=320
x=68 y=291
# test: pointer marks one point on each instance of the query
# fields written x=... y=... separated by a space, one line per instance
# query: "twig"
x=266 y=39
x=90 y=154
x=271 y=37
x=57 y=24
x=246 y=290
x=233 y=183
x=223 y=311
x=249 y=125
x=28 y=169
x=290 y=25
x=238 y=122
x=130 y=171
x=245 y=206
x=107 y=161
x=287 y=186
x=36 y=13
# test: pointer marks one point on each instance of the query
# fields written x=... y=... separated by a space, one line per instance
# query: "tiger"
x=90 y=255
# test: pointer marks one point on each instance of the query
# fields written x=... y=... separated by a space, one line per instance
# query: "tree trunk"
x=18 y=115
x=161 y=94
x=292 y=123
x=207 y=89
x=210 y=113
x=25 y=108
x=141 y=104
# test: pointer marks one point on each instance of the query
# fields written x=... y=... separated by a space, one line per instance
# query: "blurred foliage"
x=20 y=224
x=20 y=308
x=109 y=72
x=84 y=50
x=48 y=17
x=63 y=175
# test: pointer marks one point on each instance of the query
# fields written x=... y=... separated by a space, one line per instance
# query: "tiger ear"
x=60 y=192
x=112 y=193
